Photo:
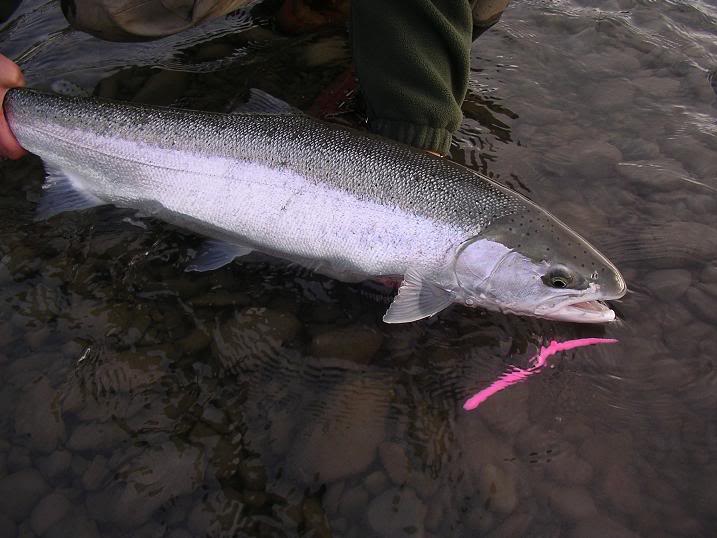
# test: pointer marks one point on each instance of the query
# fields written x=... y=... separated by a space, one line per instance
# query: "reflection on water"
x=262 y=400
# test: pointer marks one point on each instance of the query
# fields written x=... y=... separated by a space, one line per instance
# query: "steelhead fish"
x=344 y=203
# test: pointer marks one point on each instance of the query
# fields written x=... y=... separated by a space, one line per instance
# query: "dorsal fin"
x=261 y=102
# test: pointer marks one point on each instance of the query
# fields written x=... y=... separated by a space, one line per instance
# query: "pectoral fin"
x=417 y=299
x=215 y=254
x=63 y=194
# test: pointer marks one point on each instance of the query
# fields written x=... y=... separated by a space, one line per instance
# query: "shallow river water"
x=261 y=400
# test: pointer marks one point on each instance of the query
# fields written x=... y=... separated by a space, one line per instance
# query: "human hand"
x=10 y=77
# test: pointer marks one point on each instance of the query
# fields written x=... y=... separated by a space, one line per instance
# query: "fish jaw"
x=585 y=308
x=592 y=311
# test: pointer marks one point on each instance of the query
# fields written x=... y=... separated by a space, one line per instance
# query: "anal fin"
x=417 y=299
x=214 y=254
x=63 y=194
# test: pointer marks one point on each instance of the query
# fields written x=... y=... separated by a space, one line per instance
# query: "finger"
x=9 y=147
x=10 y=74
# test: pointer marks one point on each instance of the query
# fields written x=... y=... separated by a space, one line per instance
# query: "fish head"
x=530 y=263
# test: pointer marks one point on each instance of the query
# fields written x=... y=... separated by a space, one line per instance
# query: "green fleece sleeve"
x=412 y=60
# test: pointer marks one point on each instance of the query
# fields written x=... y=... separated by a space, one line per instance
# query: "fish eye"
x=559 y=277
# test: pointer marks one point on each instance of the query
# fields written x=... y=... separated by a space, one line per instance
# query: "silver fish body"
x=345 y=203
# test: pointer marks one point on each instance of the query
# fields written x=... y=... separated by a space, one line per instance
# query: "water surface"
x=261 y=400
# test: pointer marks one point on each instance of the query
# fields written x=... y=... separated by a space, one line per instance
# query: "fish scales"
x=374 y=195
x=345 y=203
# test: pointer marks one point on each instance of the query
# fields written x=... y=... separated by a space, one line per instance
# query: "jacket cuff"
x=434 y=139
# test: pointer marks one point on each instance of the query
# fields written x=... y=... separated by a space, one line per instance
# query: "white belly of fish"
x=274 y=210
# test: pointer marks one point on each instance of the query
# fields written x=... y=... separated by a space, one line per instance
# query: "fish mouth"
x=580 y=311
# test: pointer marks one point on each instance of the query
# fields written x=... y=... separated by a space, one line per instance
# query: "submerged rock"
x=570 y=469
x=357 y=344
x=621 y=487
x=600 y=527
x=353 y=502
x=96 y=436
x=54 y=464
x=497 y=489
x=95 y=473
x=395 y=461
x=344 y=439
x=148 y=481
x=668 y=284
x=37 y=416
x=376 y=482
x=573 y=503
x=49 y=511
x=397 y=512
x=7 y=527
x=703 y=304
x=20 y=491
x=74 y=525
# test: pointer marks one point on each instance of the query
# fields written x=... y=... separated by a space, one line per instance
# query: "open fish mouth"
x=592 y=311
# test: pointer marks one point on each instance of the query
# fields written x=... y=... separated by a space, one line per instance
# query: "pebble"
x=397 y=512
x=179 y=533
x=194 y=342
x=255 y=332
x=703 y=304
x=603 y=449
x=600 y=527
x=151 y=529
x=7 y=527
x=333 y=496
x=163 y=88
x=356 y=344
x=497 y=489
x=54 y=464
x=76 y=526
x=668 y=284
x=517 y=524
x=479 y=520
x=221 y=298
x=597 y=159
x=572 y=502
x=79 y=465
x=95 y=473
x=315 y=519
x=49 y=511
x=20 y=491
x=611 y=95
x=37 y=416
x=570 y=469
x=282 y=326
x=147 y=482
x=394 y=460
x=253 y=474
x=344 y=439
x=434 y=514
x=18 y=457
x=621 y=486
x=93 y=436
x=7 y=335
x=507 y=411
x=660 y=87
x=376 y=482
x=353 y=502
